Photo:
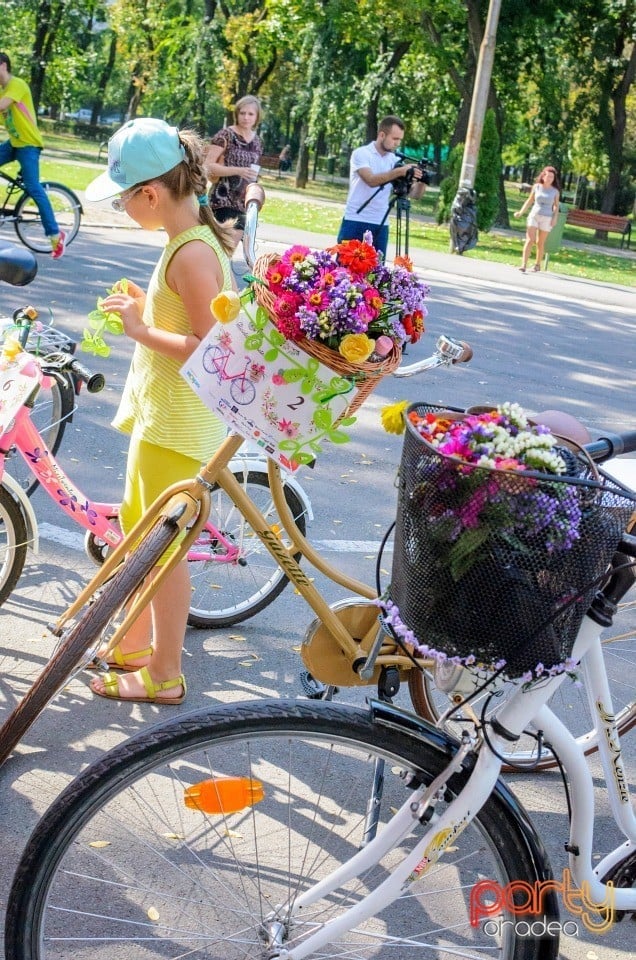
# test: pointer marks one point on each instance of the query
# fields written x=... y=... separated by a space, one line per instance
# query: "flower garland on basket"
x=344 y=307
x=491 y=563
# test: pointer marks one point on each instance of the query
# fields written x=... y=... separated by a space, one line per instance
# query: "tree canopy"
x=562 y=89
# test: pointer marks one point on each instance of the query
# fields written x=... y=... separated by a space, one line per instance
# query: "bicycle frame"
x=7 y=208
x=521 y=707
x=95 y=517
x=189 y=504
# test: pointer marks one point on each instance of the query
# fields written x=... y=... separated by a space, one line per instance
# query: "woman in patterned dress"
x=233 y=161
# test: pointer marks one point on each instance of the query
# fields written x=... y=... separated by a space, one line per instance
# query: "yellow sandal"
x=111 y=683
x=121 y=661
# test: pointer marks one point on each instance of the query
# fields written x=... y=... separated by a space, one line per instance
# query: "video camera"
x=403 y=185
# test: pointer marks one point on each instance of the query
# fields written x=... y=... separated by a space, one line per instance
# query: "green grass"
x=287 y=206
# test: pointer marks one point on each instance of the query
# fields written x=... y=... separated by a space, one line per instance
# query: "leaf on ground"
x=98 y=844
x=153 y=913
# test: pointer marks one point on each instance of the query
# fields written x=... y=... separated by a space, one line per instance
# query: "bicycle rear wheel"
x=54 y=406
x=79 y=644
x=224 y=594
x=120 y=857
x=13 y=543
x=68 y=213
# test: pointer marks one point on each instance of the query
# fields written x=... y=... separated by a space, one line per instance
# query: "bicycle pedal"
x=314 y=689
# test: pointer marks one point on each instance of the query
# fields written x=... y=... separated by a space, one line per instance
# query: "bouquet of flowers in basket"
x=481 y=508
x=346 y=299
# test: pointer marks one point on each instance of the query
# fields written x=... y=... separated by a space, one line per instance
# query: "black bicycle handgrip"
x=612 y=445
x=94 y=381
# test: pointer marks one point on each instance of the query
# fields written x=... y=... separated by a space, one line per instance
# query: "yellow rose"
x=11 y=348
x=226 y=306
x=356 y=347
x=391 y=417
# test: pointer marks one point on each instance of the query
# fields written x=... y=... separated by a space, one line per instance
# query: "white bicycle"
x=291 y=829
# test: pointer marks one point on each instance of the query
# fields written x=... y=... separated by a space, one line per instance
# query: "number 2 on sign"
x=298 y=402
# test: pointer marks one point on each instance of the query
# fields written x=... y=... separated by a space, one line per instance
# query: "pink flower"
x=288 y=428
x=317 y=300
x=295 y=254
x=374 y=300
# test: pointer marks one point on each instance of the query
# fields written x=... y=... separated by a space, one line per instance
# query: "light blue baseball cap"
x=141 y=150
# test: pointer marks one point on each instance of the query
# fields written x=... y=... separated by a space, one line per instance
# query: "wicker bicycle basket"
x=503 y=593
x=365 y=376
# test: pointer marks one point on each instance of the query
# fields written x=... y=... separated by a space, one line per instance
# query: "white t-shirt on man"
x=375 y=211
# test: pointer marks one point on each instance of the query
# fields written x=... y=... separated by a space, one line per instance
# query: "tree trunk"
x=47 y=21
x=613 y=129
x=102 y=83
x=302 y=165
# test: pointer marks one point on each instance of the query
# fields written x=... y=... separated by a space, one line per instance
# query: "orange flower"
x=358 y=256
x=405 y=262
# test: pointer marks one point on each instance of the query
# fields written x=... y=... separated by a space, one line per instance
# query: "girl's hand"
x=130 y=307
x=248 y=174
x=517 y=213
x=127 y=286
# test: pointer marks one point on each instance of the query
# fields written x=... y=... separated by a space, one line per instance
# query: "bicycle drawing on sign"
x=215 y=360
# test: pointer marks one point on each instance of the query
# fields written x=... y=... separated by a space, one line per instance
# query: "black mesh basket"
x=476 y=570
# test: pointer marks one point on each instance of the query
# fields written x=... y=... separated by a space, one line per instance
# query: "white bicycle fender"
x=28 y=512
x=259 y=465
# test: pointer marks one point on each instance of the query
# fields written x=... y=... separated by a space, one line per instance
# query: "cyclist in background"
x=24 y=145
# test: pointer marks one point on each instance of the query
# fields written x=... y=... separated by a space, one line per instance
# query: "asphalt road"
x=540 y=339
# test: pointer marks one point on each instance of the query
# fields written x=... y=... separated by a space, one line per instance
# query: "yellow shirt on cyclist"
x=20 y=119
x=157 y=402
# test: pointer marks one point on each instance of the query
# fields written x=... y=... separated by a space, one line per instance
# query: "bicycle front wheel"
x=128 y=855
x=68 y=213
x=54 y=405
x=93 y=628
x=13 y=543
x=226 y=593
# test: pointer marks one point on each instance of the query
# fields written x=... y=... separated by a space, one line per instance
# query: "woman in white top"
x=544 y=198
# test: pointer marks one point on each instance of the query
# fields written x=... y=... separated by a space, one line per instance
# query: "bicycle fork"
x=442 y=832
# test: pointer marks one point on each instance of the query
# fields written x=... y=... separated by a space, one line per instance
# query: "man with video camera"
x=372 y=167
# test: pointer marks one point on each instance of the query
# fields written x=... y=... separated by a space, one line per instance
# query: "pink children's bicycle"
x=233 y=577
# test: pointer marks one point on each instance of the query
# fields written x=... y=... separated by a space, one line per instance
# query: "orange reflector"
x=223 y=794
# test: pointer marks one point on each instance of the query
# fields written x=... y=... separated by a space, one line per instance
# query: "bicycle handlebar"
x=611 y=445
x=254 y=200
x=17 y=266
x=53 y=363
x=94 y=381
x=447 y=352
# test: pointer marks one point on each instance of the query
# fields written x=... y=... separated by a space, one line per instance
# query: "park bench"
x=269 y=161
x=606 y=222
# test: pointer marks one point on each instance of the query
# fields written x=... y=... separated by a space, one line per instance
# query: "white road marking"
x=75 y=541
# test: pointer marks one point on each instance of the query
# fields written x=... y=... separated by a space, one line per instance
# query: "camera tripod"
x=402 y=213
x=402 y=206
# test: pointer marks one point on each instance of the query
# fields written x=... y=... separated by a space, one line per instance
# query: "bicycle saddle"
x=18 y=266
